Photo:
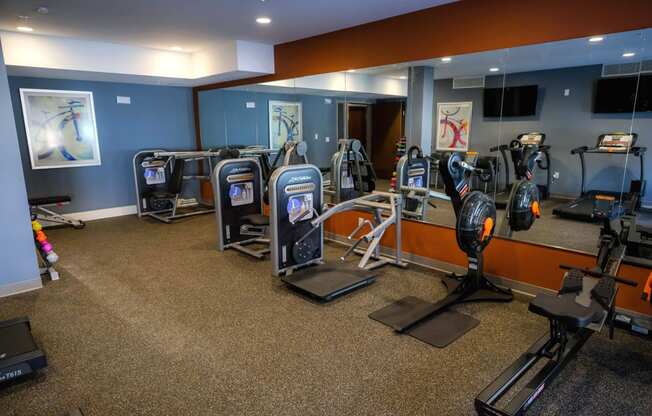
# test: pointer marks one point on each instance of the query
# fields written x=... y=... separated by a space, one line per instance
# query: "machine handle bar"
x=595 y=273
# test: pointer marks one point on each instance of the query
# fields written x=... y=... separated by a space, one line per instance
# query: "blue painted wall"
x=224 y=119
x=17 y=255
x=568 y=122
x=158 y=117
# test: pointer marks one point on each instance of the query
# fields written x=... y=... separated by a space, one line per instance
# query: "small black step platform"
x=327 y=282
x=19 y=354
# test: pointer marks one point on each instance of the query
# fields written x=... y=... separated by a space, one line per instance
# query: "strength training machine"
x=413 y=174
x=159 y=177
x=589 y=206
x=297 y=233
x=351 y=172
x=434 y=323
x=584 y=305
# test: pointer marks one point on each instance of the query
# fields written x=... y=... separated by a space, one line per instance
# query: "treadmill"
x=591 y=204
x=527 y=140
x=19 y=354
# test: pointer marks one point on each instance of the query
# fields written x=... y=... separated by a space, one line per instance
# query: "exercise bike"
x=434 y=323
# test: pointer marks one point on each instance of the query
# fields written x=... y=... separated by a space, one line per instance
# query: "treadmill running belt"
x=16 y=340
x=326 y=282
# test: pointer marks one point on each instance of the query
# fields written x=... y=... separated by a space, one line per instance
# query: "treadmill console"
x=616 y=142
x=532 y=139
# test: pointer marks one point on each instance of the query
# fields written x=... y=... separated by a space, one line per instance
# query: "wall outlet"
x=123 y=100
x=327 y=139
x=555 y=175
x=250 y=104
x=566 y=92
x=327 y=101
x=316 y=136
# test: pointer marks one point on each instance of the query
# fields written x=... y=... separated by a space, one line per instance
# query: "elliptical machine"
x=434 y=323
x=351 y=173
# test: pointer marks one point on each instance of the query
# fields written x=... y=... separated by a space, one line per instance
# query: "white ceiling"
x=563 y=54
x=194 y=24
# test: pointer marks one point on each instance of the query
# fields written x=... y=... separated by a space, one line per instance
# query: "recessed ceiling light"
x=24 y=29
x=402 y=77
x=176 y=48
x=264 y=20
x=494 y=69
x=42 y=10
x=628 y=54
x=351 y=70
x=446 y=59
x=595 y=39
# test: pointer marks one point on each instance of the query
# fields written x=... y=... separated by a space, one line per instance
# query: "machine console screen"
x=241 y=193
x=616 y=142
x=300 y=207
x=531 y=139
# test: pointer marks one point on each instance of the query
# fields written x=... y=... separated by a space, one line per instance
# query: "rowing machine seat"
x=48 y=200
x=563 y=308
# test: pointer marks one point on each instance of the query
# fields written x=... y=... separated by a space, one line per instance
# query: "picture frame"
x=285 y=122
x=61 y=128
x=454 y=126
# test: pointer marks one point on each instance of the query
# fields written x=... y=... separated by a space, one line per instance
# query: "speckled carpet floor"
x=149 y=319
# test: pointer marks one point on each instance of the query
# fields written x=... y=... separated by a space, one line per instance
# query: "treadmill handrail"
x=580 y=149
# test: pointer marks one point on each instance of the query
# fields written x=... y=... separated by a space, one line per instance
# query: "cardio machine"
x=434 y=323
x=590 y=204
x=519 y=150
x=584 y=305
x=20 y=356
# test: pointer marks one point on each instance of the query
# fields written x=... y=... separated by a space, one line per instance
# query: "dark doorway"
x=388 y=128
x=358 y=123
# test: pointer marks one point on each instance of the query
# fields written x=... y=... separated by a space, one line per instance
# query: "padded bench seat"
x=256 y=219
x=49 y=200
x=563 y=308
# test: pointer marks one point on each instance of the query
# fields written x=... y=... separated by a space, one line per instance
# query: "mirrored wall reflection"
x=537 y=113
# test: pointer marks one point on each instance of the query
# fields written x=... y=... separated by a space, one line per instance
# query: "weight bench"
x=39 y=208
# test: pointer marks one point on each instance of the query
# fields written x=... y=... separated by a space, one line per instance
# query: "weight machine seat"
x=48 y=200
x=563 y=308
x=256 y=219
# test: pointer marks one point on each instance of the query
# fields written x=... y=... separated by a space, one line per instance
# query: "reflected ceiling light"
x=494 y=69
x=402 y=77
x=351 y=70
x=595 y=39
x=176 y=48
x=446 y=59
x=24 y=29
x=263 y=20
x=628 y=54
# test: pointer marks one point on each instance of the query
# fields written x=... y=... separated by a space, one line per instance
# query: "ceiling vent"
x=618 y=70
x=468 y=82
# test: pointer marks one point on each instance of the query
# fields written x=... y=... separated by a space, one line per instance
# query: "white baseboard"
x=99 y=214
x=20 y=287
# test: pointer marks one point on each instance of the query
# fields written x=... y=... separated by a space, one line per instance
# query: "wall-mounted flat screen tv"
x=517 y=101
x=618 y=95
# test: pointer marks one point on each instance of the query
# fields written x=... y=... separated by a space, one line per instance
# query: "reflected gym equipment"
x=592 y=205
x=434 y=323
x=520 y=150
x=351 y=172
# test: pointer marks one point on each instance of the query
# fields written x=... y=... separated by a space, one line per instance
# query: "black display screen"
x=618 y=95
x=517 y=101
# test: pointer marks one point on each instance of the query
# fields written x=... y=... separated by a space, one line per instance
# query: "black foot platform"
x=19 y=354
x=327 y=282
x=431 y=322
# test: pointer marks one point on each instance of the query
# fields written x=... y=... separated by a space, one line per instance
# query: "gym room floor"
x=149 y=319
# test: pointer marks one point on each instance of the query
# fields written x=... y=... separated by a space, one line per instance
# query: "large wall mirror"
x=580 y=110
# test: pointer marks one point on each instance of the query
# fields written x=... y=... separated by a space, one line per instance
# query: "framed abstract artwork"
x=454 y=126
x=61 y=128
x=285 y=123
